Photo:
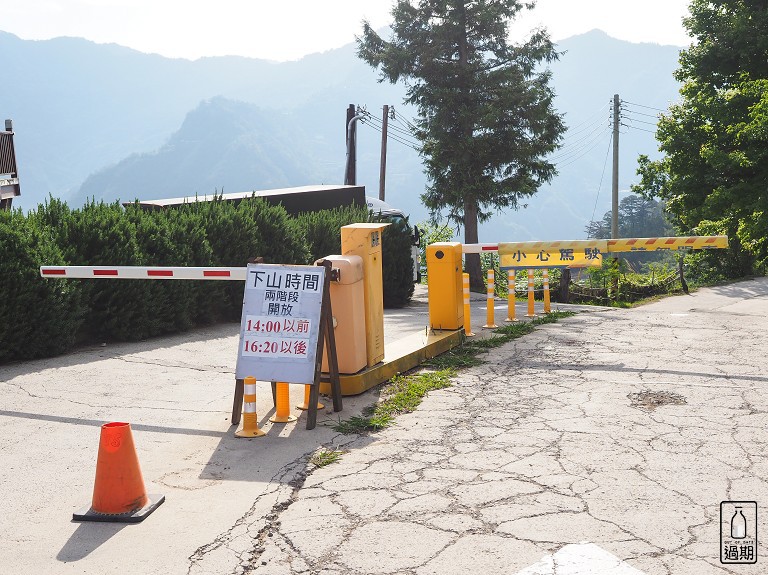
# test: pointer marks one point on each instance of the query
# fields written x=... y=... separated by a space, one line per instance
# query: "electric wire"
x=572 y=160
x=570 y=149
x=404 y=134
x=631 y=119
x=402 y=137
x=367 y=121
x=590 y=120
x=600 y=185
x=642 y=106
x=643 y=114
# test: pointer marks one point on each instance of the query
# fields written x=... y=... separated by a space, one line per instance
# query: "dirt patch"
x=650 y=400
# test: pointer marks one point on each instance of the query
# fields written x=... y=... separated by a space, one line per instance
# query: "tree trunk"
x=472 y=261
x=565 y=282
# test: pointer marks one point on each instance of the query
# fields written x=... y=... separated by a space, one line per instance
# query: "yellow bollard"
x=282 y=404
x=304 y=406
x=490 y=323
x=446 y=308
x=467 y=311
x=547 y=305
x=531 y=311
x=250 y=419
x=511 y=296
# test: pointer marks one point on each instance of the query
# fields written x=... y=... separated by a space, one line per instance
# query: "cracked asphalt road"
x=541 y=447
x=516 y=467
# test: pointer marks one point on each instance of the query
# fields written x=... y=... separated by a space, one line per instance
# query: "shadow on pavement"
x=99 y=423
x=87 y=538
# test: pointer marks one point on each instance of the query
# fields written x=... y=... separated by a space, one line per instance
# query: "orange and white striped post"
x=250 y=419
x=282 y=404
x=489 y=319
x=304 y=406
x=467 y=309
x=511 y=296
x=531 y=311
x=547 y=305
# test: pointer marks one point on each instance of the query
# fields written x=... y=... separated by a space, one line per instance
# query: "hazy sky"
x=289 y=29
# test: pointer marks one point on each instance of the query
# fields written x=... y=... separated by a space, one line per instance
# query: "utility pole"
x=615 y=180
x=350 y=170
x=383 y=169
x=615 y=191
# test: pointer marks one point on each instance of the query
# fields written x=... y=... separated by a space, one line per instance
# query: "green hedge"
x=44 y=317
x=37 y=318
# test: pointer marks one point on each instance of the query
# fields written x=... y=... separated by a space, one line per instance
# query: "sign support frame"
x=325 y=340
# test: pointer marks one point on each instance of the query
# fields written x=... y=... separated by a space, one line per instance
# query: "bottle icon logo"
x=738 y=532
x=738 y=524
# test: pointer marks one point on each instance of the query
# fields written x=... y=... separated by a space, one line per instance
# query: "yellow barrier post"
x=511 y=296
x=282 y=404
x=467 y=310
x=250 y=419
x=304 y=406
x=547 y=304
x=531 y=311
x=444 y=270
x=489 y=319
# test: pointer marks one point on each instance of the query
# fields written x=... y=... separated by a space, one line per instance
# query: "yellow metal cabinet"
x=348 y=306
x=364 y=240
x=445 y=283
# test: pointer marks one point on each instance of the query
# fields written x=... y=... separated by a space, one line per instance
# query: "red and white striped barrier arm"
x=479 y=248
x=143 y=273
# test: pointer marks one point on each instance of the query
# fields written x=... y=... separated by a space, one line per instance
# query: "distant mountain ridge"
x=106 y=121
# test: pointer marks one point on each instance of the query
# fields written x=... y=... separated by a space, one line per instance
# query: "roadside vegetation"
x=404 y=393
x=46 y=317
x=323 y=457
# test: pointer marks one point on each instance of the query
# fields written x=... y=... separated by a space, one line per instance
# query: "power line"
x=398 y=138
x=404 y=121
x=605 y=163
x=394 y=137
x=639 y=129
x=585 y=145
x=642 y=106
x=584 y=150
x=631 y=119
x=590 y=120
x=643 y=114
x=571 y=147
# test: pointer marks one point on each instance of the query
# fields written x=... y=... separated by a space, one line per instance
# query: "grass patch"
x=404 y=393
x=466 y=354
x=324 y=457
x=360 y=424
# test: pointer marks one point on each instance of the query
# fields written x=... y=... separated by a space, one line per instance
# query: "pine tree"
x=485 y=116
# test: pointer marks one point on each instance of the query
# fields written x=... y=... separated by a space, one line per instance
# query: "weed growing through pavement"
x=324 y=457
x=404 y=393
x=466 y=354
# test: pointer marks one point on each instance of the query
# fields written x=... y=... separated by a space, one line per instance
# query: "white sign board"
x=280 y=323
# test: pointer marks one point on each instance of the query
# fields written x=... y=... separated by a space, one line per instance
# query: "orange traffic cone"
x=304 y=406
x=118 y=492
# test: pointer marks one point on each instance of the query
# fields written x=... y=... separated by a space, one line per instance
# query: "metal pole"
x=615 y=192
x=615 y=180
x=350 y=175
x=383 y=169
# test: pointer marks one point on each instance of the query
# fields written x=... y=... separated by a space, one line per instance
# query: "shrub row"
x=44 y=317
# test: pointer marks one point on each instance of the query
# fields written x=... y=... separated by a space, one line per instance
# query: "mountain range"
x=106 y=122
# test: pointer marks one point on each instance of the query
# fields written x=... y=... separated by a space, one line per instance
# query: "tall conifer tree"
x=486 y=122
